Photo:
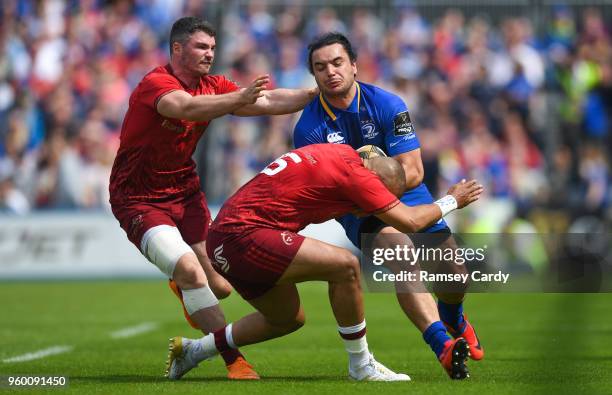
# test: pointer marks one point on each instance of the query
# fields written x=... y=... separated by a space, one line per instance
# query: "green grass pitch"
x=535 y=343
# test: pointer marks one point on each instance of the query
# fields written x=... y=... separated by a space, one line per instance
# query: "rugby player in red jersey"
x=253 y=243
x=154 y=189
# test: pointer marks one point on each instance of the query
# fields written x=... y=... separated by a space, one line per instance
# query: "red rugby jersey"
x=308 y=185
x=154 y=158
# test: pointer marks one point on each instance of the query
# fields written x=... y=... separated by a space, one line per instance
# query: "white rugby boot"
x=181 y=357
x=376 y=371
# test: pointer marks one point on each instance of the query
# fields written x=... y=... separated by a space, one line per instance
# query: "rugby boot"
x=180 y=359
x=469 y=334
x=453 y=358
x=240 y=369
x=376 y=371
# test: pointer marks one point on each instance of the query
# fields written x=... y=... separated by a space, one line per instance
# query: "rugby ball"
x=370 y=151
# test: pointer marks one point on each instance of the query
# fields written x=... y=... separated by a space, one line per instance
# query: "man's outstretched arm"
x=408 y=219
x=181 y=105
x=279 y=101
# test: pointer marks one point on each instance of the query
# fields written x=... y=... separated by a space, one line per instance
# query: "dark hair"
x=183 y=28
x=329 y=39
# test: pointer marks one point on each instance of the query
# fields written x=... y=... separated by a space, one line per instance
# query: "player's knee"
x=164 y=246
x=348 y=266
x=390 y=238
x=295 y=323
x=299 y=320
x=188 y=274
x=290 y=323
x=221 y=289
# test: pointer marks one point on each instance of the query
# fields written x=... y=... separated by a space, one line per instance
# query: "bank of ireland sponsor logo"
x=220 y=260
x=335 y=137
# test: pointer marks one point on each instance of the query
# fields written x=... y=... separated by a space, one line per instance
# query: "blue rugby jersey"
x=374 y=117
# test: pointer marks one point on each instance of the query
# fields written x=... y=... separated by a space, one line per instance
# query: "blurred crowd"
x=528 y=114
x=526 y=109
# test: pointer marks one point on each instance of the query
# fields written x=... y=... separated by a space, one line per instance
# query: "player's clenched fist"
x=251 y=93
x=466 y=192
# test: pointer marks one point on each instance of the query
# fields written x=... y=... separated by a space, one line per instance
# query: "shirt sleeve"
x=155 y=86
x=366 y=190
x=302 y=135
x=400 y=135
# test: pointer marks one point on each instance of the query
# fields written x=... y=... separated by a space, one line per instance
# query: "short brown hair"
x=184 y=27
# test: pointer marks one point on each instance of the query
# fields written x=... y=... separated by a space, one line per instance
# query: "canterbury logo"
x=335 y=137
x=220 y=260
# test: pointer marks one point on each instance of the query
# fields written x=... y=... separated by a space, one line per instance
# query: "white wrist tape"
x=198 y=299
x=446 y=204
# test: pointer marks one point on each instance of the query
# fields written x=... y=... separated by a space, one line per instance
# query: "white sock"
x=358 y=351
x=229 y=338
x=204 y=347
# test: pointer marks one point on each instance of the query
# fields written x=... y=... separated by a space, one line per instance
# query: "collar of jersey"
x=171 y=71
x=331 y=113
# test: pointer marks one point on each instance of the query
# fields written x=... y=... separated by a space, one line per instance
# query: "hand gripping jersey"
x=374 y=117
x=308 y=185
x=154 y=159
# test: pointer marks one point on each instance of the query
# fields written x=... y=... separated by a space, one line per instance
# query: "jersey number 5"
x=280 y=164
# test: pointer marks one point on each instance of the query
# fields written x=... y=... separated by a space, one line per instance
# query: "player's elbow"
x=411 y=227
x=408 y=225
x=414 y=176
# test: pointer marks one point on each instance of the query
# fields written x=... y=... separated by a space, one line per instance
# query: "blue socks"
x=435 y=335
x=452 y=315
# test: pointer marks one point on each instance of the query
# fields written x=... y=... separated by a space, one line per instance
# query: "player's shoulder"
x=329 y=151
x=160 y=72
x=313 y=109
x=159 y=76
x=311 y=115
x=340 y=154
x=338 y=160
x=380 y=95
x=216 y=79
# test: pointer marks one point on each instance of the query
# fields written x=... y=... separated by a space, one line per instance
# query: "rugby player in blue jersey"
x=358 y=114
